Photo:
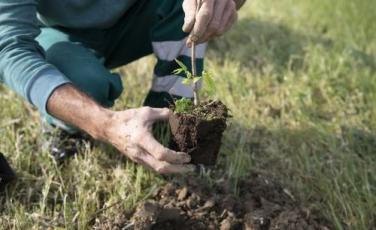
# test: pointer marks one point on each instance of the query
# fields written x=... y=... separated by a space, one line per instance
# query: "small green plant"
x=184 y=105
x=192 y=80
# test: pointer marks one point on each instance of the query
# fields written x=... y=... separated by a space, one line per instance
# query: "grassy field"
x=300 y=79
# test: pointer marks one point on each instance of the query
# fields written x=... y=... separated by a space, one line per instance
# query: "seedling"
x=196 y=127
x=191 y=79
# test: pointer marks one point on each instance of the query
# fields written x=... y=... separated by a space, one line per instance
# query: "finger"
x=203 y=19
x=163 y=167
x=189 y=7
x=228 y=17
x=135 y=154
x=188 y=43
x=217 y=28
x=230 y=23
x=160 y=114
x=216 y=21
x=206 y=37
x=155 y=114
x=159 y=152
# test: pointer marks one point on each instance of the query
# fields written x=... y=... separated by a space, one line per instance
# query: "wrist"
x=99 y=124
x=74 y=107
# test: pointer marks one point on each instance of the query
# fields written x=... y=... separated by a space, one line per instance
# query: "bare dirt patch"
x=260 y=204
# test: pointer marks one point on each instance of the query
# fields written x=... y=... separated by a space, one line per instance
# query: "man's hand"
x=130 y=132
x=210 y=19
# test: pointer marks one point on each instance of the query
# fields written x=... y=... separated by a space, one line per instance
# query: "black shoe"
x=6 y=173
x=61 y=144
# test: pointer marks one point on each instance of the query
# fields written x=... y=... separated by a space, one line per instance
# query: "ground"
x=300 y=80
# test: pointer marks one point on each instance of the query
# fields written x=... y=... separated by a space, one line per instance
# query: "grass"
x=299 y=77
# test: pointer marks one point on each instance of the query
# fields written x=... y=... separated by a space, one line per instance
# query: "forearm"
x=76 y=108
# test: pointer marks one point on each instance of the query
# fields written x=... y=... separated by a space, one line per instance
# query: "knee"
x=95 y=85
x=103 y=86
x=63 y=52
x=86 y=72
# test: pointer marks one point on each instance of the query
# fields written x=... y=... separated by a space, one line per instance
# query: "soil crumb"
x=260 y=204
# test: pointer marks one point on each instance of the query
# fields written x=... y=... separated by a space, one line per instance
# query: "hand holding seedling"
x=206 y=19
x=130 y=132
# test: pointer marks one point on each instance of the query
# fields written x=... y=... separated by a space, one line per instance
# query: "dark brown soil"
x=200 y=133
x=261 y=204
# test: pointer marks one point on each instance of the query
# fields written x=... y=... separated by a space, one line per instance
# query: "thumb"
x=189 y=7
x=157 y=114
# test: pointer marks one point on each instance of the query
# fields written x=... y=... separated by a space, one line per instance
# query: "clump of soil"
x=199 y=133
x=261 y=204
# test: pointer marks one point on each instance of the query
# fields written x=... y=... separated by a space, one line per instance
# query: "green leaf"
x=182 y=66
x=186 y=81
x=208 y=82
x=178 y=71
x=196 y=79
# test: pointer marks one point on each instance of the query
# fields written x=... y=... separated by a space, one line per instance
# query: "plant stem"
x=196 y=99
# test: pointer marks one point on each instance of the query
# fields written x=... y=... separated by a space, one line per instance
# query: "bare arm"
x=129 y=131
x=76 y=108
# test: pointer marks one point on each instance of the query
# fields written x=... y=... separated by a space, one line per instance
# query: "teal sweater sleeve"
x=22 y=64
